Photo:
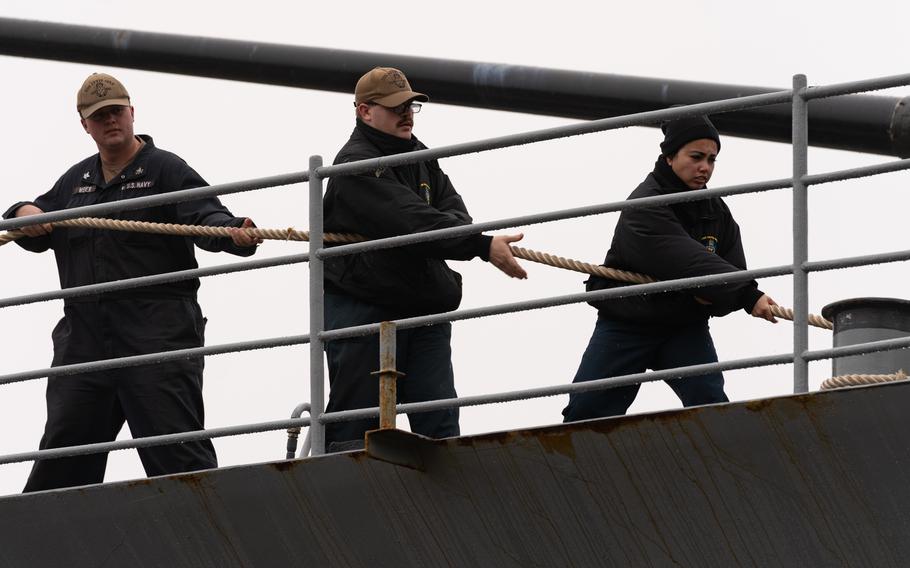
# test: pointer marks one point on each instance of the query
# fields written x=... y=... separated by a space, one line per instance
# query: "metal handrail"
x=798 y=96
x=133 y=203
x=407 y=323
x=152 y=358
x=582 y=127
x=836 y=89
x=160 y=440
x=508 y=396
x=164 y=278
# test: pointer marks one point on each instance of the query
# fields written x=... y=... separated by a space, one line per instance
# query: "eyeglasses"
x=103 y=113
x=402 y=108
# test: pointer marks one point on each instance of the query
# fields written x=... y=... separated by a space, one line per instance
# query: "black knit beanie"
x=677 y=133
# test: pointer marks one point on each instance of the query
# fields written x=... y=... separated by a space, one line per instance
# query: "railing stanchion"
x=317 y=309
x=388 y=374
x=800 y=236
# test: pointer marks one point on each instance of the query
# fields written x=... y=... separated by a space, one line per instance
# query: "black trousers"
x=620 y=348
x=152 y=399
x=424 y=354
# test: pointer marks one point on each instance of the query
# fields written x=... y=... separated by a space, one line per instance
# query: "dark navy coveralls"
x=153 y=399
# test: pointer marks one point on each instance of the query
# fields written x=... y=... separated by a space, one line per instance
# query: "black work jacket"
x=401 y=200
x=91 y=256
x=667 y=242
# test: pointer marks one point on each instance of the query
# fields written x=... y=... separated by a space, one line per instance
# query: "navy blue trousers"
x=424 y=354
x=620 y=348
x=153 y=399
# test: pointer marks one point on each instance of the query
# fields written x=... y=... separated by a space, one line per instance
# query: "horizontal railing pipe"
x=526 y=305
x=862 y=86
x=154 y=200
x=859 y=349
x=566 y=388
x=611 y=382
x=400 y=159
x=854 y=261
x=152 y=358
x=576 y=129
x=149 y=441
x=537 y=218
x=539 y=392
x=861 y=172
x=167 y=277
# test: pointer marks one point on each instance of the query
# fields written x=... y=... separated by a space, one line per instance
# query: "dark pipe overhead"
x=861 y=123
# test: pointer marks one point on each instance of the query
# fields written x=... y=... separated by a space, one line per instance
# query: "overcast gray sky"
x=231 y=131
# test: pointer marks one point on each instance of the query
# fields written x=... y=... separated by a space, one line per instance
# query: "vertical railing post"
x=800 y=236
x=317 y=319
x=388 y=374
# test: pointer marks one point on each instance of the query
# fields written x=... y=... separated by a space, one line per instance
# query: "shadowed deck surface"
x=809 y=480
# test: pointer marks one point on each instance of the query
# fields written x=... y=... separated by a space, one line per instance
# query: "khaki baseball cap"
x=386 y=86
x=98 y=91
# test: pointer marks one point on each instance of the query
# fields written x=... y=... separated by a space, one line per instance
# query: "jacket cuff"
x=483 y=247
x=750 y=298
x=9 y=213
x=228 y=245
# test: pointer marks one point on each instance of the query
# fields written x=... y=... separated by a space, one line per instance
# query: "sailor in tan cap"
x=395 y=283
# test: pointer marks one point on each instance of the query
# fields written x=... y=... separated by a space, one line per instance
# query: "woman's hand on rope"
x=762 y=308
x=242 y=238
x=501 y=255
x=33 y=230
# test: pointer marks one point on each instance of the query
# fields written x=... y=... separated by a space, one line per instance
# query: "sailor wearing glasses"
x=400 y=282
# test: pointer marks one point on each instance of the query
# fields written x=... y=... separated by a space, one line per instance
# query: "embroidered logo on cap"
x=395 y=77
x=99 y=88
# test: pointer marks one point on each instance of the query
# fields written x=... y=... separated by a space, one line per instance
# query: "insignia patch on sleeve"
x=710 y=242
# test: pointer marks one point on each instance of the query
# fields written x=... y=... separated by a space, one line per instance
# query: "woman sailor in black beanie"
x=662 y=331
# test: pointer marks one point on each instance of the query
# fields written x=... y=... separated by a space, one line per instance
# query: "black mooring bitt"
x=860 y=123
x=861 y=320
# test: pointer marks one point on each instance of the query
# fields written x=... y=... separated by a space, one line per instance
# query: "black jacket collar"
x=386 y=143
x=667 y=178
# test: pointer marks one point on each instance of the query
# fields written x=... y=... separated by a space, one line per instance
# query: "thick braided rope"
x=583 y=267
x=291 y=234
x=814 y=320
x=634 y=278
x=856 y=380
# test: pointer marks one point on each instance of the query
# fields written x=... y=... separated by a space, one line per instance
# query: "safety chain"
x=291 y=234
x=856 y=380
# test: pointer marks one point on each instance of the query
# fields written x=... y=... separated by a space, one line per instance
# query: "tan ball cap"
x=386 y=86
x=98 y=91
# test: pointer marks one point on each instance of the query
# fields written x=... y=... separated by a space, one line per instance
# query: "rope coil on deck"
x=291 y=234
x=858 y=380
